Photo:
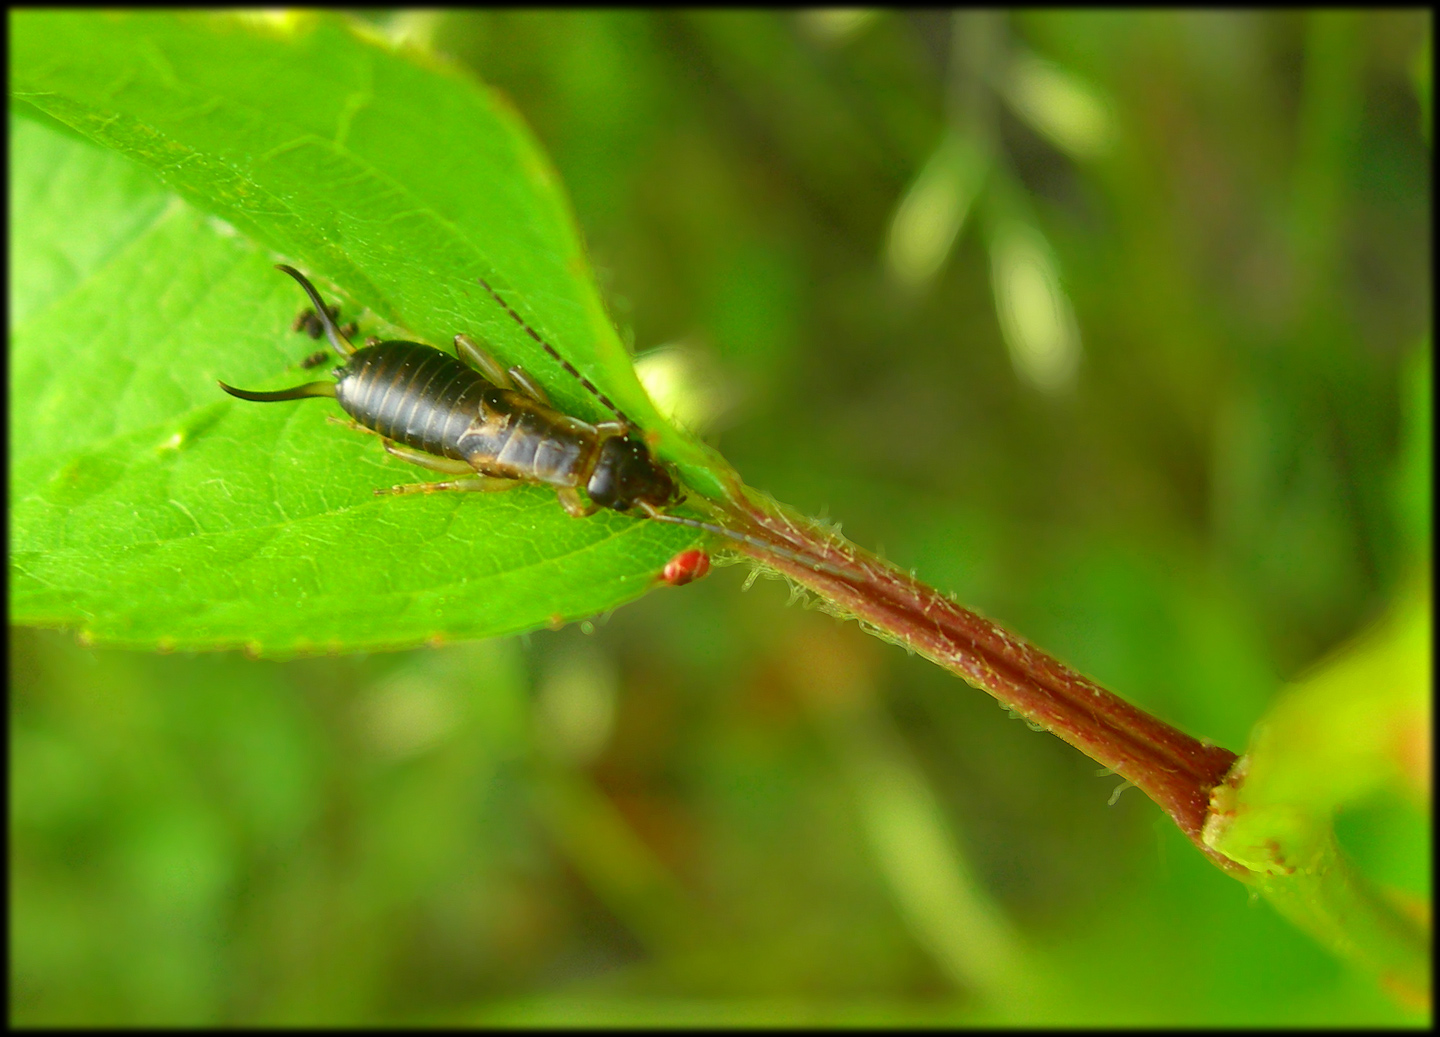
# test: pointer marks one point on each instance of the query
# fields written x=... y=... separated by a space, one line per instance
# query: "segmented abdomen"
x=429 y=400
x=413 y=394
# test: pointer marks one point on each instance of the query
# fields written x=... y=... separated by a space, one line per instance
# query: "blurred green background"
x=1116 y=325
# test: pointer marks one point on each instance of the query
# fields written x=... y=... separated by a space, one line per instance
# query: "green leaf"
x=1359 y=724
x=150 y=509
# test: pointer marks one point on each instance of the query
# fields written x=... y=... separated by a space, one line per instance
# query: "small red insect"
x=686 y=567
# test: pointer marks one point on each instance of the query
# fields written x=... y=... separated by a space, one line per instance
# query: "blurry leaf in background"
x=1356 y=728
x=933 y=211
x=968 y=935
x=575 y=704
x=1035 y=313
x=1412 y=482
x=834 y=26
x=689 y=386
x=1060 y=105
x=1421 y=70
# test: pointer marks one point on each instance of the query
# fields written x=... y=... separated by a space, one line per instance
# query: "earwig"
x=494 y=427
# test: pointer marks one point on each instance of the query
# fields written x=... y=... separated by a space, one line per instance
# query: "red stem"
x=1176 y=771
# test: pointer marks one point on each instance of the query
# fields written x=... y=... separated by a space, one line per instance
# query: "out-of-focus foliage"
x=715 y=807
x=1357 y=727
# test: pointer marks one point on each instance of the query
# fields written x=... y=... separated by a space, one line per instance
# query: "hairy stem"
x=1176 y=771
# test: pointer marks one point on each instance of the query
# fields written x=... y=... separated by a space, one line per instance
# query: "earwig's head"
x=626 y=475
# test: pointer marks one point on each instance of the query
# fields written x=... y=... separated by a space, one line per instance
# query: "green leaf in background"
x=153 y=511
x=1355 y=727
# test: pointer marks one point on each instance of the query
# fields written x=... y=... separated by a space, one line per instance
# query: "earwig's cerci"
x=493 y=426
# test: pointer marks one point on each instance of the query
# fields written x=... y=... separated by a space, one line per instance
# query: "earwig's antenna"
x=551 y=350
x=710 y=527
x=342 y=345
x=651 y=511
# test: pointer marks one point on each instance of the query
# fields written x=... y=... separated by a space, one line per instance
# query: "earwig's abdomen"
x=521 y=438
x=419 y=396
x=412 y=394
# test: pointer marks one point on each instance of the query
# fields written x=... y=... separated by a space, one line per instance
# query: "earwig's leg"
x=424 y=460
x=352 y=425
x=482 y=361
x=571 y=502
x=529 y=386
x=473 y=483
x=607 y=430
x=405 y=453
